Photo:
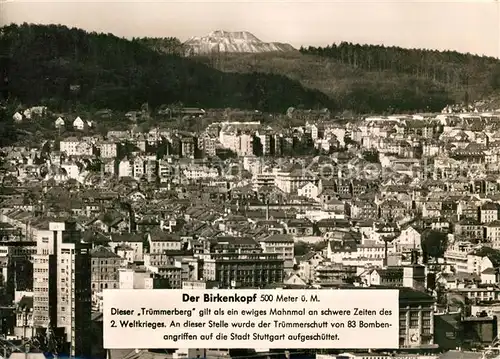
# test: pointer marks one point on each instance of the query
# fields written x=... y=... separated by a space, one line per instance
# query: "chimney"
x=385 y=253
x=267 y=210
x=414 y=257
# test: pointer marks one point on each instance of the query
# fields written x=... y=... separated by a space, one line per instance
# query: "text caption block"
x=250 y=319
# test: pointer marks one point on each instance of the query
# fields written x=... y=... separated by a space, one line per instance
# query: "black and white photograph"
x=275 y=179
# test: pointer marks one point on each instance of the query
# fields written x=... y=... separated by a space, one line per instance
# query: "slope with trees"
x=354 y=89
x=463 y=73
x=62 y=67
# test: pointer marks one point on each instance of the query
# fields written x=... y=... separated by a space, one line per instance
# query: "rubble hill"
x=233 y=42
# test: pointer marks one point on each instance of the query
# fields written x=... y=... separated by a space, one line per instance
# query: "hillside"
x=463 y=72
x=376 y=78
x=352 y=88
x=61 y=67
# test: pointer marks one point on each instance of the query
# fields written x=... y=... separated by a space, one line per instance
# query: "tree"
x=118 y=74
x=48 y=342
x=434 y=243
x=301 y=248
x=319 y=246
x=371 y=156
x=8 y=132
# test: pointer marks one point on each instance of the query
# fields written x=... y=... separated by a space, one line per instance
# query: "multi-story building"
x=245 y=144
x=489 y=212
x=492 y=230
x=416 y=319
x=125 y=168
x=134 y=241
x=281 y=244
x=163 y=241
x=251 y=270
x=62 y=287
x=265 y=142
x=328 y=274
x=188 y=147
x=105 y=265
x=469 y=229
x=138 y=167
x=140 y=278
x=457 y=256
x=292 y=181
x=74 y=147
x=108 y=149
x=207 y=144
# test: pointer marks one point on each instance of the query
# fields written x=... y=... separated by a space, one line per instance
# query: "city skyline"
x=464 y=27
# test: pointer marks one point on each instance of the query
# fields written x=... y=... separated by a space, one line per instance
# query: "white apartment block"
x=72 y=170
x=309 y=190
x=245 y=145
x=200 y=172
x=62 y=284
x=75 y=147
x=265 y=141
x=125 y=168
x=134 y=279
x=108 y=149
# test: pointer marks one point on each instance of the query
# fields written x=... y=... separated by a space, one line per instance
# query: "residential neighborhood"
x=409 y=202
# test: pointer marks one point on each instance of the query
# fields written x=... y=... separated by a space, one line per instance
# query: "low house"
x=391 y=276
x=119 y=242
x=160 y=242
x=309 y=190
x=111 y=221
x=299 y=227
x=17 y=117
x=59 y=122
x=307 y=265
x=408 y=239
x=78 y=124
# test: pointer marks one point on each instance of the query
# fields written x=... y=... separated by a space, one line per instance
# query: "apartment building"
x=75 y=147
x=62 y=286
x=108 y=149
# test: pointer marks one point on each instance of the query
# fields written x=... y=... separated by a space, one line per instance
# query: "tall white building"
x=62 y=286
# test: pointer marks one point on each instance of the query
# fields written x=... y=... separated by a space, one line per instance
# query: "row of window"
x=105 y=262
x=107 y=277
x=425 y=331
x=104 y=286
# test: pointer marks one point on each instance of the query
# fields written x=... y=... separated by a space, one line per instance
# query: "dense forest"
x=169 y=45
x=464 y=72
x=368 y=79
x=62 y=67
x=354 y=89
x=66 y=68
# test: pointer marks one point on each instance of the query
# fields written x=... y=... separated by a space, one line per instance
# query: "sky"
x=465 y=26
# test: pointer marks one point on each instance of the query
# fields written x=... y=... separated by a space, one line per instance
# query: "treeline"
x=166 y=45
x=62 y=67
x=451 y=68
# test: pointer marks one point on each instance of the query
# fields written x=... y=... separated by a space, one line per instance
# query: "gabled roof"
x=278 y=238
x=490 y=206
x=127 y=237
x=492 y=254
x=160 y=236
x=342 y=246
x=103 y=252
x=391 y=273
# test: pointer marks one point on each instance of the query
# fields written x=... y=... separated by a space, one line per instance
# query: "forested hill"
x=476 y=75
x=59 y=67
x=62 y=67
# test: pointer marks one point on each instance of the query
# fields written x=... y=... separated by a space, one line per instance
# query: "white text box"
x=249 y=319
